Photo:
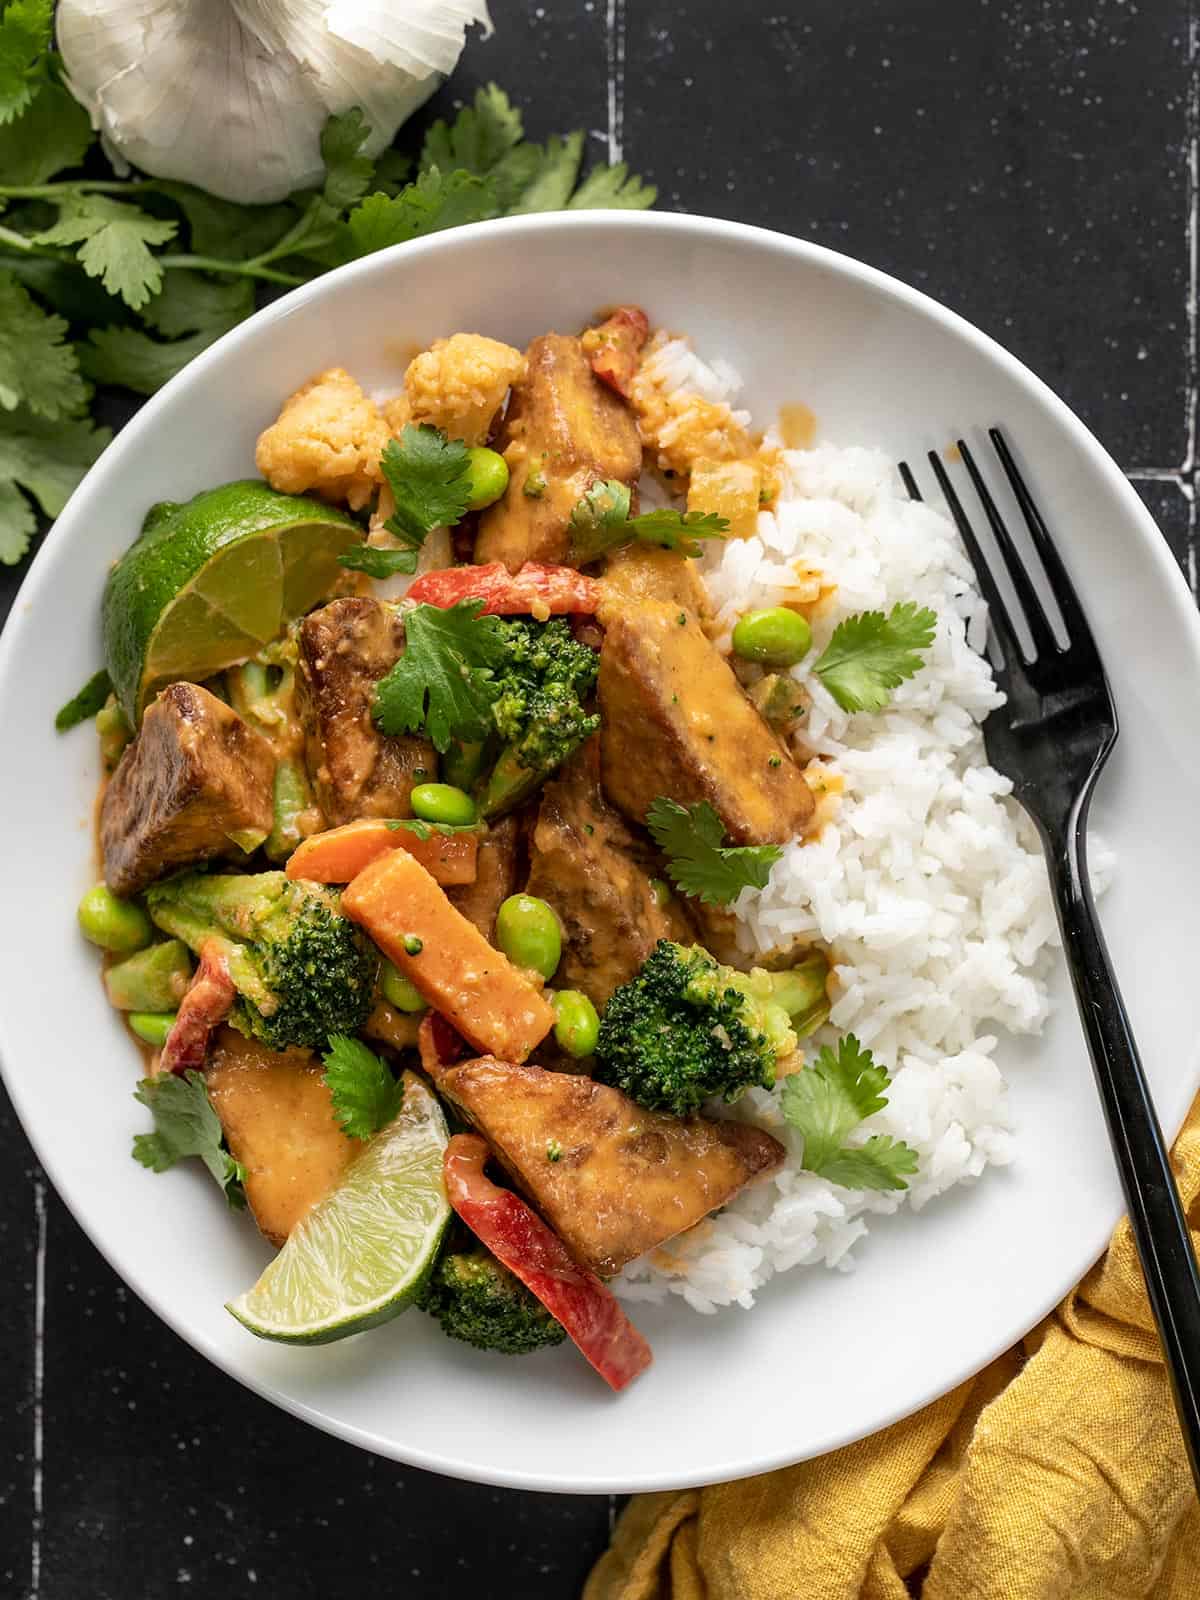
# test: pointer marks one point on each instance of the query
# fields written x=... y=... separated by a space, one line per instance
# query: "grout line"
x=39 y=1377
x=616 y=80
x=1177 y=475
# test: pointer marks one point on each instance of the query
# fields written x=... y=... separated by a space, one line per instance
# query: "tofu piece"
x=277 y=1116
x=459 y=384
x=195 y=784
x=495 y=876
x=571 y=430
x=476 y=988
x=626 y=1179
x=589 y=866
x=355 y=771
x=730 y=489
x=327 y=440
x=645 y=572
x=677 y=723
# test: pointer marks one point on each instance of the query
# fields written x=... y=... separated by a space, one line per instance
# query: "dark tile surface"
x=1026 y=163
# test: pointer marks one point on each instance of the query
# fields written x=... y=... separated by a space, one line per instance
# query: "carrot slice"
x=339 y=854
x=536 y=588
x=533 y=1252
x=477 y=989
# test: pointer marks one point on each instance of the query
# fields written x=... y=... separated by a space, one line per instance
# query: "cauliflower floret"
x=396 y=412
x=459 y=384
x=328 y=438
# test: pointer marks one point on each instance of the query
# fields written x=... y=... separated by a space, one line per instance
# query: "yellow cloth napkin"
x=1057 y=1473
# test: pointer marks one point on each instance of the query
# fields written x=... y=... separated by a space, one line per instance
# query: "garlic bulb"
x=232 y=95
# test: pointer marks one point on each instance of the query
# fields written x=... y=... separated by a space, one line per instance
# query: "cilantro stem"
x=244 y=269
x=20 y=242
x=55 y=191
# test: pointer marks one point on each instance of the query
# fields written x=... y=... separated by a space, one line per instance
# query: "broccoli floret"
x=301 y=969
x=685 y=1029
x=478 y=1300
x=538 y=710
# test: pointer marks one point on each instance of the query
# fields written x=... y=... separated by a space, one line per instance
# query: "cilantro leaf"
x=80 y=707
x=699 y=861
x=25 y=29
x=201 y=307
x=612 y=188
x=869 y=655
x=225 y=229
x=114 y=240
x=365 y=1095
x=827 y=1100
x=194 y=302
x=378 y=562
x=478 y=138
x=185 y=1124
x=546 y=185
x=36 y=367
x=47 y=459
x=52 y=133
x=348 y=172
x=434 y=202
x=430 y=479
x=601 y=521
x=443 y=683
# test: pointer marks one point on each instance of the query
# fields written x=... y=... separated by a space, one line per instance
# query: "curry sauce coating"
x=564 y=431
x=612 y=1179
x=195 y=776
x=355 y=770
x=676 y=723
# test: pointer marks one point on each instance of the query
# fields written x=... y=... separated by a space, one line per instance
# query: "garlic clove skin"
x=232 y=95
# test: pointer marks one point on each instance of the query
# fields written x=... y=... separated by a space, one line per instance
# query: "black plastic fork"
x=1052 y=738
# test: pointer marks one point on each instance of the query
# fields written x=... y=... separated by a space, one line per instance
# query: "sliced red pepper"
x=537 y=589
x=439 y=1043
x=207 y=1003
x=614 y=349
x=535 y=1254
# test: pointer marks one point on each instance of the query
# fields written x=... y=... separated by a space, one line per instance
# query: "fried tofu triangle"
x=612 y=1179
x=491 y=1002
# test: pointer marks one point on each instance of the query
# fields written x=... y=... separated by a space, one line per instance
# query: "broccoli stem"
x=509 y=783
x=463 y=763
x=155 y=979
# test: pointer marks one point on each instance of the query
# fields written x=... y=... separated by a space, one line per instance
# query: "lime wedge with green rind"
x=211 y=581
x=362 y=1254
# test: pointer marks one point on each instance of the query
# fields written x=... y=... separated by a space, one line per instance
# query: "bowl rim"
x=29 y=598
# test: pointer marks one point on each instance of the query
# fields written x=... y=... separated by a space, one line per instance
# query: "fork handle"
x=1155 y=1212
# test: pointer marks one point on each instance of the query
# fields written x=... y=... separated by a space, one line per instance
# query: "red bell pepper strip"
x=439 y=1044
x=535 y=1254
x=207 y=1003
x=537 y=589
x=614 y=349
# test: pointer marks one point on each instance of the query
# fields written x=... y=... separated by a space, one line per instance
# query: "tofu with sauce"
x=564 y=431
x=612 y=1179
x=587 y=864
x=496 y=867
x=676 y=723
x=194 y=785
x=355 y=770
x=640 y=572
x=277 y=1116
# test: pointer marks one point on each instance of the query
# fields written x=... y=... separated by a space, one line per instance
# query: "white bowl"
x=824 y=1358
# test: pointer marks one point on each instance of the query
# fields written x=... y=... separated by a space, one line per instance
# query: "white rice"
x=929 y=885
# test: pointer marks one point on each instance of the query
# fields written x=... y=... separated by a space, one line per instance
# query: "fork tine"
x=999 y=624
x=1044 y=642
x=1063 y=589
x=909 y=482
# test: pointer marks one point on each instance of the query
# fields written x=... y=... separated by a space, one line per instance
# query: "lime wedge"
x=211 y=581
x=363 y=1252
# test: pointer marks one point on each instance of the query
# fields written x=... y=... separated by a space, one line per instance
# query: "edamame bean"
x=398 y=991
x=442 y=802
x=152 y=1026
x=577 y=1027
x=778 y=637
x=661 y=890
x=488 y=476
x=527 y=931
x=117 y=925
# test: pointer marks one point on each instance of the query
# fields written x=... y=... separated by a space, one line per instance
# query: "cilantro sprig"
x=699 y=862
x=600 y=522
x=185 y=1124
x=122 y=281
x=430 y=479
x=444 y=683
x=365 y=1094
x=871 y=654
x=827 y=1100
